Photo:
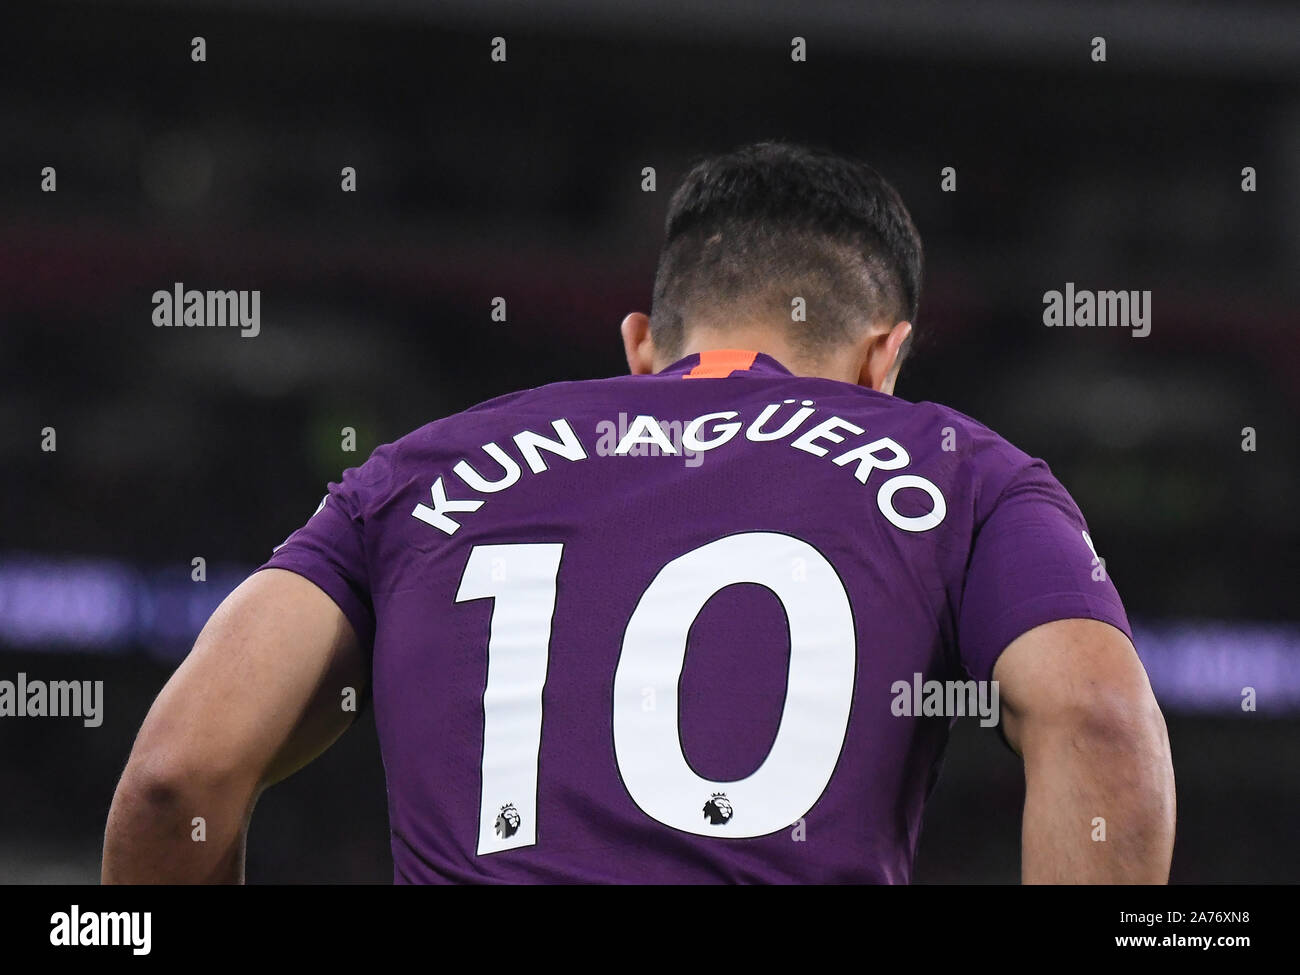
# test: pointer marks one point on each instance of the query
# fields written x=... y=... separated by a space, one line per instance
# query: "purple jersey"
x=669 y=628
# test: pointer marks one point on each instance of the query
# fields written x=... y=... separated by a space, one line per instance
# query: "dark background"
x=523 y=179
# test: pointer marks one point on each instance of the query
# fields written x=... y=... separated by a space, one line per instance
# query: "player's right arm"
x=1099 y=781
x=1041 y=616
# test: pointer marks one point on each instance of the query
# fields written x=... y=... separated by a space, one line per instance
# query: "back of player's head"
x=751 y=231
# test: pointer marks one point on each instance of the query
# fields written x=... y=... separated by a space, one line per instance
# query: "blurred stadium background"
x=523 y=179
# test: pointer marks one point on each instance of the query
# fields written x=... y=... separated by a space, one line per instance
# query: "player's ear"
x=637 y=344
x=880 y=360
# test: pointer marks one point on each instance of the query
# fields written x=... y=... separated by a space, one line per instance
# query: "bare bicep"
x=1067 y=670
x=264 y=690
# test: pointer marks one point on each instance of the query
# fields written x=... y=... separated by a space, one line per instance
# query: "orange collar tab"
x=720 y=363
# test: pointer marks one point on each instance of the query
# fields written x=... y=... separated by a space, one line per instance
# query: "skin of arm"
x=1078 y=708
x=259 y=696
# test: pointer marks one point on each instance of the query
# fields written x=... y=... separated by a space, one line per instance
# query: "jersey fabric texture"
x=675 y=628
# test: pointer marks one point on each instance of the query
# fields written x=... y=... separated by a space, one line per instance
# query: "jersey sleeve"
x=1032 y=562
x=329 y=550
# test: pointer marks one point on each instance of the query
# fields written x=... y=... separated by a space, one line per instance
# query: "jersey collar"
x=720 y=363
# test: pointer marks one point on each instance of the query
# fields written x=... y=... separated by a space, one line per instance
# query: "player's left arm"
x=259 y=696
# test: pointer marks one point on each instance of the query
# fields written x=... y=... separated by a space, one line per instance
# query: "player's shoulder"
x=524 y=406
x=977 y=438
x=991 y=463
x=955 y=432
x=963 y=446
x=475 y=425
x=949 y=446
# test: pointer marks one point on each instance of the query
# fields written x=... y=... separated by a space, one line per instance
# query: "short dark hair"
x=751 y=229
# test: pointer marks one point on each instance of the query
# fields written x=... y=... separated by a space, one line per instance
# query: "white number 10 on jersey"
x=647 y=743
